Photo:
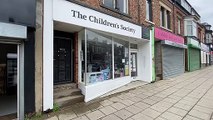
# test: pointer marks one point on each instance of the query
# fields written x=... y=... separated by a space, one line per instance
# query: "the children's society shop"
x=107 y=52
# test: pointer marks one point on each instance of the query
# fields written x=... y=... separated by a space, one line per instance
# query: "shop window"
x=98 y=57
x=149 y=10
x=165 y=18
x=120 y=5
x=121 y=58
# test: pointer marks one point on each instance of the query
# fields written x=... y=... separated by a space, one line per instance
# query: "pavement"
x=186 y=97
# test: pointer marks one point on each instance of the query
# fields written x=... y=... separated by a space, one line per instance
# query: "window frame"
x=149 y=10
x=179 y=25
x=165 y=18
x=115 y=6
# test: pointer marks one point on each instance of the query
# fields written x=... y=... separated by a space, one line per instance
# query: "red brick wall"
x=178 y=13
x=97 y=5
x=76 y=57
x=156 y=11
x=201 y=33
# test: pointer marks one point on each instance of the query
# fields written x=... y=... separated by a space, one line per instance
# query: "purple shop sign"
x=164 y=35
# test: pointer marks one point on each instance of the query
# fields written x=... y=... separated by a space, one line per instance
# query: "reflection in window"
x=109 y=3
x=121 y=58
x=99 y=57
x=179 y=25
x=120 y=5
x=149 y=10
x=165 y=17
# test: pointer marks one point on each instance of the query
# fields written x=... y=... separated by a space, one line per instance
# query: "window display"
x=99 y=57
x=121 y=58
x=96 y=56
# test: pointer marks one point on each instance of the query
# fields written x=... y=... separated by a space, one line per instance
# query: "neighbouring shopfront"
x=205 y=55
x=106 y=52
x=17 y=66
x=193 y=55
x=169 y=54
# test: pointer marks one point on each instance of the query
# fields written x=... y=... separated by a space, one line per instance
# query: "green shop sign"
x=193 y=43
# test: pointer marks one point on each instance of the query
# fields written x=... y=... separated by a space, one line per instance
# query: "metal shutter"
x=173 y=61
x=194 y=59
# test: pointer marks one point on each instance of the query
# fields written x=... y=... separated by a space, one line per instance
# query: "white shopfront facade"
x=205 y=55
x=95 y=28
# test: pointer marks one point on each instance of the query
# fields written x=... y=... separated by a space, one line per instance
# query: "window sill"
x=116 y=11
x=150 y=22
x=166 y=29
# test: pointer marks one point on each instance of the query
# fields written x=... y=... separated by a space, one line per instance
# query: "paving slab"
x=186 y=97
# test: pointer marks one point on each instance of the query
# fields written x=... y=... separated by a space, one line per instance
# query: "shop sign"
x=145 y=33
x=193 y=42
x=166 y=42
x=164 y=35
x=68 y=12
x=204 y=47
x=13 y=31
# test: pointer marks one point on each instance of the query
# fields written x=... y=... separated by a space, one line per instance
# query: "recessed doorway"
x=63 y=58
x=133 y=60
x=8 y=81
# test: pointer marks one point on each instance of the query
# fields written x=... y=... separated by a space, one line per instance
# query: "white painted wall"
x=98 y=89
x=101 y=88
x=145 y=62
x=48 y=56
x=144 y=74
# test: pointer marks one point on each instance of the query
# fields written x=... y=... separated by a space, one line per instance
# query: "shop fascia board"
x=193 y=46
x=193 y=43
x=13 y=31
x=204 y=47
x=118 y=36
x=89 y=18
x=166 y=42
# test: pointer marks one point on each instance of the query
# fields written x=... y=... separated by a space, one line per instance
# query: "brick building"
x=204 y=53
x=169 y=40
x=94 y=47
x=208 y=40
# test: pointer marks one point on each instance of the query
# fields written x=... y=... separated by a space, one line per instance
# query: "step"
x=65 y=93
x=69 y=100
x=58 y=88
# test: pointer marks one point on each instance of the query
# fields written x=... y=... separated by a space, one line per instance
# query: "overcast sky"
x=205 y=9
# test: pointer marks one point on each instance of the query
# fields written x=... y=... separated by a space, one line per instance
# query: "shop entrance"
x=133 y=62
x=63 y=58
x=8 y=81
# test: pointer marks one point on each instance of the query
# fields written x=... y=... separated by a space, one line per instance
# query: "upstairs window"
x=149 y=10
x=179 y=25
x=120 y=5
x=190 y=28
x=165 y=18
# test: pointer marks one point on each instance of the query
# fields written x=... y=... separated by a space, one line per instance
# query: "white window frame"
x=179 y=25
x=148 y=17
x=165 y=18
x=161 y=18
x=125 y=5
